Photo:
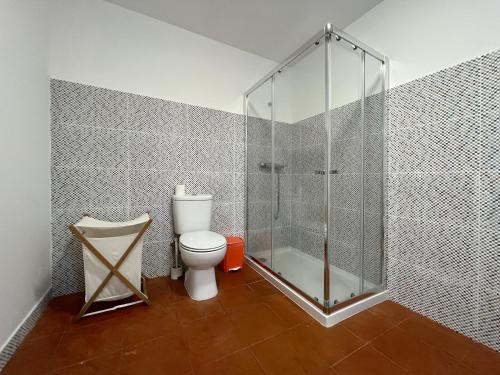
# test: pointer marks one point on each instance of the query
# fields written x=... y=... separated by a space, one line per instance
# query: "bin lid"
x=234 y=240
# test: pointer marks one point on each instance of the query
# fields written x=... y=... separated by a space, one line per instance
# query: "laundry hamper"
x=112 y=258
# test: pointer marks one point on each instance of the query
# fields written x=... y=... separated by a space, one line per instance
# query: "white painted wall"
x=24 y=161
x=424 y=36
x=420 y=37
x=300 y=88
x=99 y=43
x=308 y=77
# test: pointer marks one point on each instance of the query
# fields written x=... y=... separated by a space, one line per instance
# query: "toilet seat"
x=202 y=250
x=202 y=241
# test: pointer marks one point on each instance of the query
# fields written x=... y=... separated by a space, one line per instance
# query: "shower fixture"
x=329 y=271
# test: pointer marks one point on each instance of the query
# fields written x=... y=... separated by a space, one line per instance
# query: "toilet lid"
x=202 y=241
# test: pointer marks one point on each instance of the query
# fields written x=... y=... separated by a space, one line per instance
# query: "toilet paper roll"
x=180 y=190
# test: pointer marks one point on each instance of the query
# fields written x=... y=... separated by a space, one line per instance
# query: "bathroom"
x=351 y=150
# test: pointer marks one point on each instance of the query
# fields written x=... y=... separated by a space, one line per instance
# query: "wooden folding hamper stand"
x=105 y=243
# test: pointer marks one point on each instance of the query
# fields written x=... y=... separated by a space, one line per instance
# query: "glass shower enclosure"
x=315 y=167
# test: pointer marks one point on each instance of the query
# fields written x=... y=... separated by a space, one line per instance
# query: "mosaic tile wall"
x=308 y=151
x=116 y=155
x=444 y=197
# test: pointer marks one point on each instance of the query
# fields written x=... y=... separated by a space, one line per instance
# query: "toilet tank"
x=192 y=212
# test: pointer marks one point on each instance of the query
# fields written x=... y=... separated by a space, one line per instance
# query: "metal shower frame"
x=325 y=35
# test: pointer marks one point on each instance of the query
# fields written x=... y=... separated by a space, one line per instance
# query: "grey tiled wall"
x=444 y=197
x=116 y=155
x=307 y=208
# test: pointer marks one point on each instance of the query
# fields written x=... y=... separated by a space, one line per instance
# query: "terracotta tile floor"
x=250 y=328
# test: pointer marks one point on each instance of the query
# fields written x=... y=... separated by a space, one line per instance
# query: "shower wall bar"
x=384 y=197
x=273 y=159
x=326 y=181
x=362 y=190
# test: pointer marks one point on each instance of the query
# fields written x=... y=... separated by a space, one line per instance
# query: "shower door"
x=356 y=198
x=346 y=194
x=373 y=154
x=287 y=173
x=259 y=180
x=300 y=145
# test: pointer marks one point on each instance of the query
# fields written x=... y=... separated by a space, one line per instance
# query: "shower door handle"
x=322 y=172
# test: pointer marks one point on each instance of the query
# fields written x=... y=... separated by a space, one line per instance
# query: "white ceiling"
x=268 y=28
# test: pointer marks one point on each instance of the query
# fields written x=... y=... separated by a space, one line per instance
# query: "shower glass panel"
x=259 y=197
x=373 y=177
x=315 y=171
x=346 y=193
x=300 y=144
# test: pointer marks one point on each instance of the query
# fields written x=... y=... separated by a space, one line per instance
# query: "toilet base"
x=200 y=284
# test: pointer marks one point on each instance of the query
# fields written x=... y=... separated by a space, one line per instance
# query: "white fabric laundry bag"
x=111 y=239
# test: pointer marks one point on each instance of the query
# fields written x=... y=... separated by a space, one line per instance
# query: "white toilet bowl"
x=201 y=251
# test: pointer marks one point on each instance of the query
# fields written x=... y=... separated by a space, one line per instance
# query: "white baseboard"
x=326 y=320
x=9 y=347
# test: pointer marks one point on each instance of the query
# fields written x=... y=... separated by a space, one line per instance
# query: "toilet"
x=201 y=250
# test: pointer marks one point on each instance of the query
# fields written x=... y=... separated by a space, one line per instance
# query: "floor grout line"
x=257 y=360
x=367 y=342
x=389 y=358
x=349 y=355
x=424 y=343
x=250 y=346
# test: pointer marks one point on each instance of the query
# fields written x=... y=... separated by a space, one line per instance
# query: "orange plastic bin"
x=234 y=255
